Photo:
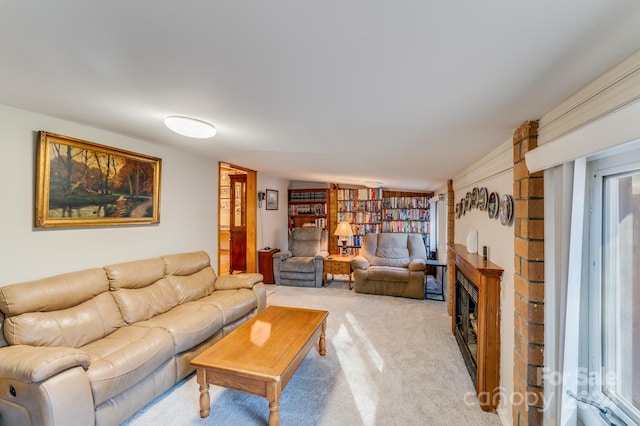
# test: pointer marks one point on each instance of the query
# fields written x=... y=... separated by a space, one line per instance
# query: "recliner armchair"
x=391 y=264
x=302 y=265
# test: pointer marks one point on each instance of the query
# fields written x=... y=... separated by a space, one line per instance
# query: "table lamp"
x=343 y=232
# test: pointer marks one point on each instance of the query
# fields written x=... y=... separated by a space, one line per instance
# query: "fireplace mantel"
x=479 y=319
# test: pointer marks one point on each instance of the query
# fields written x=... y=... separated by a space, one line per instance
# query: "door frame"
x=251 y=215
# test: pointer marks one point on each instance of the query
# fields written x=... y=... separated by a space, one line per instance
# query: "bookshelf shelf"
x=308 y=206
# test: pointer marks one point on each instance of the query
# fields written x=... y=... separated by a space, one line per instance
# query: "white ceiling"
x=408 y=93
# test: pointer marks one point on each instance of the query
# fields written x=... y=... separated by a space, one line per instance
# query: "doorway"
x=237 y=207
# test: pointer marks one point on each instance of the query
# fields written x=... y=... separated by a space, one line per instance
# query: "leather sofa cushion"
x=72 y=327
x=186 y=263
x=194 y=286
x=298 y=264
x=53 y=293
x=233 y=304
x=135 y=274
x=139 y=304
x=388 y=273
x=189 y=324
x=124 y=358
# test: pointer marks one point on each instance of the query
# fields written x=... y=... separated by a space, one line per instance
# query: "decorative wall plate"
x=457 y=210
x=467 y=202
x=506 y=209
x=462 y=204
x=483 y=198
x=493 y=205
x=474 y=197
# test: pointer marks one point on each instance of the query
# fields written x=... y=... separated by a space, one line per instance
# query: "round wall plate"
x=483 y=198
x=493 y=205
x=474 y=197
x=506 y=209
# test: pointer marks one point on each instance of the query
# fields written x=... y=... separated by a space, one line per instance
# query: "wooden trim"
x=486 y=276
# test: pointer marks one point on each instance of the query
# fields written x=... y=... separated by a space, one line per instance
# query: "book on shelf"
x=360 y=205
x=414 y=227
x=359 y=194
x=307 y=209
x=406 y=202
x=296 y=195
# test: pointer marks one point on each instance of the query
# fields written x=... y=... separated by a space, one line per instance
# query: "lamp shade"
x=344 y=230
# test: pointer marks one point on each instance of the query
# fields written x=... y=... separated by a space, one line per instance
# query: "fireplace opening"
x=467 y=323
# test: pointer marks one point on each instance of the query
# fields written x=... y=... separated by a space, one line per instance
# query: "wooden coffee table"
x=261 y=355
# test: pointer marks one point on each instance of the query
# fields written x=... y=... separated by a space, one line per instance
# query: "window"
x=613 y=317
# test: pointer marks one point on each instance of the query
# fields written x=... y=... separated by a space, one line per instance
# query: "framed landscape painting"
x=80 y=183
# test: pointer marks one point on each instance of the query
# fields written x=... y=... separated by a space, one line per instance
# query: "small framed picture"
x=272 y=199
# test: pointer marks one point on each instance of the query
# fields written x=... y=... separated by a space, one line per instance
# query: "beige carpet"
x=390 y=361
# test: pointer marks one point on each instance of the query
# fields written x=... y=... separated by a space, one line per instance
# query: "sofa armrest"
x=282 y=255
x=360 y=262
x=33 y=364
x=322 y=254
x=417 y=265
x=233 y=282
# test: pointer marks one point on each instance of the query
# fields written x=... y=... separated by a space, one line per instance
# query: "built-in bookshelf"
x=308 y=207
x=377 y=210
x=406 y=212
x=362 y=208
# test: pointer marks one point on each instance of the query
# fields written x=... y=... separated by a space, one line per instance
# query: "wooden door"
x=238 y=224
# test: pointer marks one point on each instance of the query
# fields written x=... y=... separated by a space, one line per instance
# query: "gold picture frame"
x=80 y=183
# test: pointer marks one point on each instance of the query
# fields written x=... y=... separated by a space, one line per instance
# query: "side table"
x=265 y=265
x=337 y=264
x=436 y=264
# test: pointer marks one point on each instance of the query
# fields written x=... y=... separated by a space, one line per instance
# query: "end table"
x=265 y=265
x=337 y=264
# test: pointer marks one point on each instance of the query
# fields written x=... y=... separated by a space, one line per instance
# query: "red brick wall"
x=528 y=352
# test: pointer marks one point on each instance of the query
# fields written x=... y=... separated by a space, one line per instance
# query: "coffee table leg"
x=323 y=342
x=205 y=403
x=273 y=395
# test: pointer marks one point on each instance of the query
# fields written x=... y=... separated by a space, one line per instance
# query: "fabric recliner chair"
x=391 y=264
x=303 y=264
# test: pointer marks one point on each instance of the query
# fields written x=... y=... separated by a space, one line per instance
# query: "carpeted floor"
x=390 y=361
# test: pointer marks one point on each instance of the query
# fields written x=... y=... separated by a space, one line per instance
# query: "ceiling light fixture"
x=191 y=127
x=372 y=184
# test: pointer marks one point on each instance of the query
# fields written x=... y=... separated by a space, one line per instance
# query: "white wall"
x=272 y=224
x=188 y=206
x=495 y=172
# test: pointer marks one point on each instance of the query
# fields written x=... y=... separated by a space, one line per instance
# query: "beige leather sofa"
x=391 y=264
x=95 y=346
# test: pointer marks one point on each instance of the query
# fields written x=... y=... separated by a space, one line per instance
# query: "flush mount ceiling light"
x=191 y=127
